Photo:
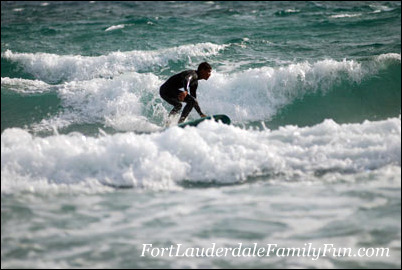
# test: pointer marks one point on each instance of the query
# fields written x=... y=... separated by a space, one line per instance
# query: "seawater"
x=313 y=156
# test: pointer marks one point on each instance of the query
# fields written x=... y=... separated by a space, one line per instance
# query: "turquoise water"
x=313 y=155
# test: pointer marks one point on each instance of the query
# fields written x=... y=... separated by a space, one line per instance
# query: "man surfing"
x=188 y=80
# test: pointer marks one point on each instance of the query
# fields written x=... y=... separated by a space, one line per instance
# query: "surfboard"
x=217 y=117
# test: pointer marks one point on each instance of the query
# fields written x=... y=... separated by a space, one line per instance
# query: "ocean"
x=308 y=175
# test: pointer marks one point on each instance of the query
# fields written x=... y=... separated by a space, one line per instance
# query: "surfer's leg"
x=176 y=109
x=175 y=102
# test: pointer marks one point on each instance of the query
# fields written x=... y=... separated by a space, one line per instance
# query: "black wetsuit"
x=169 y=91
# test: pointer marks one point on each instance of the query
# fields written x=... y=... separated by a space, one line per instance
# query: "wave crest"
x=53 y=68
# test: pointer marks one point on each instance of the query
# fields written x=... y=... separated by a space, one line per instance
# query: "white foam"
x=211 y=152
x=346 y=15
x=24 y=86
x=292 y=10
x=389 y=57
x=115 y=27
x=380 y=8
x=53 y=68
x=117 y=103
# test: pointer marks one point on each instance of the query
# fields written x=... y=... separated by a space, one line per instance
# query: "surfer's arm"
x=197 y=107
x=193 y=91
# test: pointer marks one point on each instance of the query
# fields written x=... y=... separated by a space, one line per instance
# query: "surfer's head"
x=204 y=71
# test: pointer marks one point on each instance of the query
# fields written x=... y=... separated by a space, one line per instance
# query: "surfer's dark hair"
x=204 y=66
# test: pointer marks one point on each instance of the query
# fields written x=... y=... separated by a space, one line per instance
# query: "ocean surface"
x=90 y=174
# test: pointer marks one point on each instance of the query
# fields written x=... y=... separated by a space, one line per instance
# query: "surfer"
x=188 y=80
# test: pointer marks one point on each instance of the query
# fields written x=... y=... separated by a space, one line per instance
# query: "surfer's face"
x=205 y=74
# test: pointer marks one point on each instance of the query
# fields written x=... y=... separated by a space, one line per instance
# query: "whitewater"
x=108 y=90
x=91 y=174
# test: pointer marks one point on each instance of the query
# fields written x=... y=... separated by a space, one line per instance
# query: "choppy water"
x=90 y=174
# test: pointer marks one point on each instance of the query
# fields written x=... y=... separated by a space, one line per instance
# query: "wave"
x=25 y=102
x=376 y=96
x=268 y=93
x=118 y=103
x=24 y=86
x=299 y=94
x=216 y=153
x=53 y=68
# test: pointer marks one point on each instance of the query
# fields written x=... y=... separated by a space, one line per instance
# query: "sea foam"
x=53 y=68
x=211 y=153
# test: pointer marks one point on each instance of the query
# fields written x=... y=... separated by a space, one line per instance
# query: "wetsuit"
x=170 y=91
